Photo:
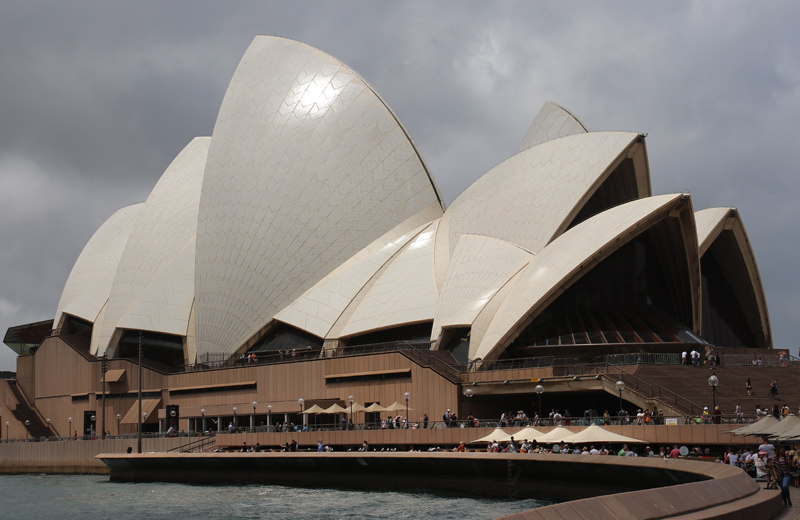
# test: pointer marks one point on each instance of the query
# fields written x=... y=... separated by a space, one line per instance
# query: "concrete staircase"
x=23 y=411
x=692 y=383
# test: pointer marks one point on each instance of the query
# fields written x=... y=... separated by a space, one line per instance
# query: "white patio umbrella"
x=757 y=427
x=499 y=435
x=557 y=434
x=596 y=433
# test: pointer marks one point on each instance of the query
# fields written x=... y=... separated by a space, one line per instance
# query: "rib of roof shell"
x=724 y=227
x=307 y=166
x=154 y=285
x=573 y=254
x=319 y=308
x=552 y=121
x=89 y=284
x=533 y=197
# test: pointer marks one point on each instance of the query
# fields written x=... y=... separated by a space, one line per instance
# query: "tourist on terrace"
x=683 y=358
x=675 y=453
x=606 y=418
x=717 y=415
x=425 y=421
x=773 y=389
x=782 y=466
x=767 y=448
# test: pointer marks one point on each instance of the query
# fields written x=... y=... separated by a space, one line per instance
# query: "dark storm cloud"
x=96 y=99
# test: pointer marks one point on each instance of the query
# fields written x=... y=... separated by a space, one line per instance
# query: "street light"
x=70 y=424
x=269 y=417
x=203 y=415
x=539 y=389
x=351 y=399
x=235 y=424
x=469 y=392
x=8 y=425
x=301 y=402
x=94 y=430
x=713 y=381
x=407 y=396
x=119 y=416
x=253 y=420
x=620 y=386
x=27 y=423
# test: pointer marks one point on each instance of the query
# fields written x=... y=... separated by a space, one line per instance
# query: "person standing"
x=781 y=465
x=683 y=358
x=425 y=421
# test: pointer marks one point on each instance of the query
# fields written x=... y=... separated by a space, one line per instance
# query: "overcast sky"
x=97 y=98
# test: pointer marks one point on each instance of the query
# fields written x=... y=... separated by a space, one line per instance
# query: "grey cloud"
x=97 y=99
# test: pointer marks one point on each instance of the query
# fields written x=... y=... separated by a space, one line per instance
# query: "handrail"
x=657 y=392
x=198 y=445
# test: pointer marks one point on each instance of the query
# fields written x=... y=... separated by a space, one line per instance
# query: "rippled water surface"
x=94 y=497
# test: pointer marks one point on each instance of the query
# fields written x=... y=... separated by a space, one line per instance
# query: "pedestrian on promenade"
x=782 y=467
x=773 y=389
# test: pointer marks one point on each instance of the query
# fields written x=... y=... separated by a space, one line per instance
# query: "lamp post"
x=173 y=413
x=407 y=396
x=351 y=399
x=119 y=416
x=620 y=387
x=48 y=424
x=27 y=423
x=539 y=389
x=235 y=424
x=301 y=402
x=253 y=419
x=203 y=415
x=70 y=424
x=713 y=381
x=8 y=426
x=469 y=392
x=94 y=429
x=269 y=417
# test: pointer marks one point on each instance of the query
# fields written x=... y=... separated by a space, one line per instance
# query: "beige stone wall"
x=72 y=456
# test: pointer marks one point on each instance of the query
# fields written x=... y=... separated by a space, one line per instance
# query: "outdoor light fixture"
x=203 y=415
x=269 y=416
x=713 y=381
x=119 y=416
x=620 y=387
x=407 y=396
x=469 y=392
x=539 y=389
x=253 y=418
x=27 y=423
x=351 y=399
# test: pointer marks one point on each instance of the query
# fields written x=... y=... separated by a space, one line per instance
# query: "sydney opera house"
x=303 y=250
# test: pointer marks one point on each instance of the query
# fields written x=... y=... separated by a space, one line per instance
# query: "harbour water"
x=68 y=497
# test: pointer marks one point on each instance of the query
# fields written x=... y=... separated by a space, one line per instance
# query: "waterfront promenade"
x=587 y=487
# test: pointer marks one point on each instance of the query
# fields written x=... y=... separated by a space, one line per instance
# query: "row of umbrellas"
x=357 y=407
x=779 y=428
x=590 y=434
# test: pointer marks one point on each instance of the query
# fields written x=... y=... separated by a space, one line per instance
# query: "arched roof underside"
x=577 y=251
x=89 y=284
x=154 y=285
x=723 y=228
x=307 y=166
x=552 y=121
x=318 y=309
x=480 y=266
x=403 y=293
x=533 y=197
